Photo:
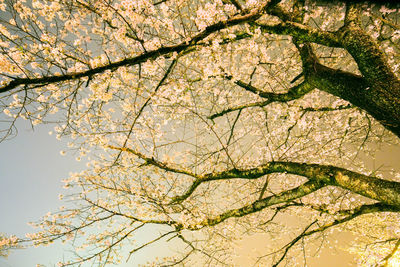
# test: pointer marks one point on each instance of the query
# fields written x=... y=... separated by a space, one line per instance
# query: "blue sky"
x=31 y=170
x=30 y=182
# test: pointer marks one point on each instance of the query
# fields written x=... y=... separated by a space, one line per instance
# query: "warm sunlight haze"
x=199 y=133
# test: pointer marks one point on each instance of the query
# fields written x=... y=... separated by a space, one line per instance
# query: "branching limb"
x=254 y=173
x=307 y=56
x=233 y=128
x=387 y=192
x=194 y=249
x=283 y=197
x=240 y=108
x=292 y=243
x=155 y=162
x=354 y=213
x=163 y=51
x=351 y=214
x=139 y=113
x=107 y=249
x=387 y=22
x=294 y=93
x=149 y=243
x=324 y=109
x=359 y=92
x=383 y=92
x=390 y=255
x=309 y=60
x=378 y=80
x=291 y=25
x=302 y=33
x=133 y=218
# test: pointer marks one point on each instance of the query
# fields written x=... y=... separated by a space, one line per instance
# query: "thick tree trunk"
x=382 y=96
x=380 y=101
x=377 y=91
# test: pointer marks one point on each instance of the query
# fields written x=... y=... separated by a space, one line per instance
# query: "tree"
x=212 y=120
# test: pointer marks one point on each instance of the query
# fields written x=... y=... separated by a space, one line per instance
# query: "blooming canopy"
x=211 y=120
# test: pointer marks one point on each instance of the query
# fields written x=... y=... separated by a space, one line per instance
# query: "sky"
x=31 y=170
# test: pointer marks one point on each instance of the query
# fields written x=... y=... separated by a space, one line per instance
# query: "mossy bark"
x=381 y=97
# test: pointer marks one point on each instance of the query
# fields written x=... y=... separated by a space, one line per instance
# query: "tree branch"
x=289 y=195
x=154 y=162
x=383 y=95
x=302 y=33
x=394 y=250
x=292 y=243
x=324 y=109
x=358 y=91
x=387 y=192
x=295 y=92
x=44 y=80
x=241 y=107
x=352 y=214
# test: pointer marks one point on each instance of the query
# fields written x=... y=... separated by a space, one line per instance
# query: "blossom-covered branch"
x=377 y=189
x=294 y=93
x=162 y=51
